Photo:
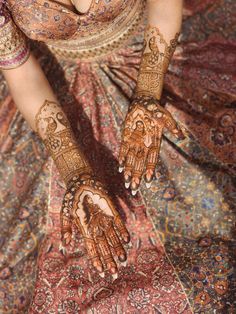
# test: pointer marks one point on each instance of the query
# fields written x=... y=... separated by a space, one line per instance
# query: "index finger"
x=122 y=229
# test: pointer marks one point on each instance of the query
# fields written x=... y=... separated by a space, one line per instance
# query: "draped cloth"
x=182 y=228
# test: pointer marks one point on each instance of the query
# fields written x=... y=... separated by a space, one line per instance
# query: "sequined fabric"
x=182 y=229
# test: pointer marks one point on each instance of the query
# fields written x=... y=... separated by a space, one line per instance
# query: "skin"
x=103 y=231
x=28 y=84
x=166 y=15
x=82 y=6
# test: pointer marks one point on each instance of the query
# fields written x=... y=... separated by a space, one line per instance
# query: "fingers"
x=116 y=244
x=129 y=166
x=123 y=152
x=173 y=127
x=124 y=148
x=122 y=229
x=138 y=170
x=93 y=254
x=152 y=160
x=105 y=253
x=66 y=230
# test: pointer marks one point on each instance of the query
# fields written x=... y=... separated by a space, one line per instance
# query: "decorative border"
x=99 y=45
x=14 y=50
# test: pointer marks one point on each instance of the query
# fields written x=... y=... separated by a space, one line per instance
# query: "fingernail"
x=102 y=274
x=127 y=185
x=122 y=257
x=148 y=184
x=99 y=268
x=62 y=249
x=148 y=177
x=115 y=276
x=182 y=137
x=66 y=241
x=120 y=169
x=124 y=263
x=126 y=238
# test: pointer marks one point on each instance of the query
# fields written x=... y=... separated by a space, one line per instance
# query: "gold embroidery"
x=154 y=64
x=55 y=130
x=13 y=46
x=101 y=43
x=139 y=152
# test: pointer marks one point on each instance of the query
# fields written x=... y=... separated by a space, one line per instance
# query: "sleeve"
x=14 y=49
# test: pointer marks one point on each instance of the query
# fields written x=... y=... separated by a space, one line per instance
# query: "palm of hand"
x=141 y=141
x=88 y=206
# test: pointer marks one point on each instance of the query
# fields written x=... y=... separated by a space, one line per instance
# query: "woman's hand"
x=141 y=141
x=87 y=204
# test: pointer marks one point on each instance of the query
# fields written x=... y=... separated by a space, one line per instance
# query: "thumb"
x=174 y=128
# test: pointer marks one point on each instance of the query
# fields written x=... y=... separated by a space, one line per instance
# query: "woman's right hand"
x=87 y=204
x=144 y=126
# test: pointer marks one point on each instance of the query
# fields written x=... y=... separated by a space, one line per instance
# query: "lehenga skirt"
x=182 y=228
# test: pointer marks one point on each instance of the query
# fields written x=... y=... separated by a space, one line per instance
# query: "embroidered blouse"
x=61 y=28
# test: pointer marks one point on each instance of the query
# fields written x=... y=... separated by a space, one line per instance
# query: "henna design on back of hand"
x=139 y=152
x=147 y=119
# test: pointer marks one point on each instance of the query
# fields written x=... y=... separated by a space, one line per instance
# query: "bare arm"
x=29 y=89
x=164 y=23
x=166 y=15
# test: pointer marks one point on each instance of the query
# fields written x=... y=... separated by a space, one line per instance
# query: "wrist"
x=56 y=132
x=146 y=101
x=150 y=84
x=86 y=179
x=76 y=173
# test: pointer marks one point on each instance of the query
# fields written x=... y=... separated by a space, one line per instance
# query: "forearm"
x=36 y=101
x=163 y=27
x=29 y=89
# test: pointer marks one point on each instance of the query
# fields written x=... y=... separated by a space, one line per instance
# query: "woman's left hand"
x=88 y=206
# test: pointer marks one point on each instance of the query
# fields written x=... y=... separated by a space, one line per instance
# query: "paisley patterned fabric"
x=63 y=23
x=182 y=254
x=14 y=50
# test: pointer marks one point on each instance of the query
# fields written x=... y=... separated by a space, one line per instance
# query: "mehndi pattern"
x=139 y=152
x=155 y=60
x=147 y=119
x=88 y=205
x=55 y=130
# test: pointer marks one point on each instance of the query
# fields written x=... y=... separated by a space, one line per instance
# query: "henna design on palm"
x=141 y=141
x=87 y=204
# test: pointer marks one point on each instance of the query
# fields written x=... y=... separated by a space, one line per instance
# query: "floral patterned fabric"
x=182 y=254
